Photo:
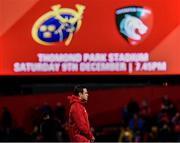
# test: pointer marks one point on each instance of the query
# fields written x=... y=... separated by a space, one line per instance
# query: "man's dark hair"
x=78 y=89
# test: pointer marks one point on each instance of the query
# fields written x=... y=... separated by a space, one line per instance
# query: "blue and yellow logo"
x=57 y=25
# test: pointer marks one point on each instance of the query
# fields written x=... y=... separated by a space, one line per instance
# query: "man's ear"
x=80 y=94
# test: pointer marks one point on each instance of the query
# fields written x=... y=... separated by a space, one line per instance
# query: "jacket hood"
x=75 y=99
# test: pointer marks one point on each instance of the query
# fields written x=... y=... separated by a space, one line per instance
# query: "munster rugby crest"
x=58 y=25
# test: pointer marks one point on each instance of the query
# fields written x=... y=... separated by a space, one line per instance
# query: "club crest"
x=58 y=25
x=134 y=23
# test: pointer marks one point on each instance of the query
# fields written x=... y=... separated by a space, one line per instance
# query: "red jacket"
x=79 y=128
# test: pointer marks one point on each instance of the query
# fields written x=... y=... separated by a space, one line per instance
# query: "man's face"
x=84 y=95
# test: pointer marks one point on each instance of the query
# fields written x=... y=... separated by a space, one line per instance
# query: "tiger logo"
x=134 y=23
x=132 y=27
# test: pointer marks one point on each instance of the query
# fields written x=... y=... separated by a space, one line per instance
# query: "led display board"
x=89 y=37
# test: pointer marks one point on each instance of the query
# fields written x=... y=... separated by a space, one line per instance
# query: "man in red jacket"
x=79 y=128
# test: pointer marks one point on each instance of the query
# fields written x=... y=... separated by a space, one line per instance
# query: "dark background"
x=12 y=85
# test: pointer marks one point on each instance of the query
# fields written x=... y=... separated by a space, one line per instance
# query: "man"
x=79 y=128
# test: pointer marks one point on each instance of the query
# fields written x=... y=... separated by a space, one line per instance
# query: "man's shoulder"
x=76 y=105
